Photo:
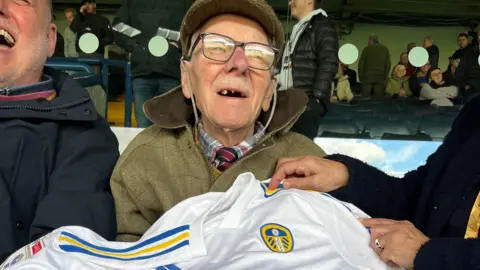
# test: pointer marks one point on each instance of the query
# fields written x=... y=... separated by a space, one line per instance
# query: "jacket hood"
x=172 y=110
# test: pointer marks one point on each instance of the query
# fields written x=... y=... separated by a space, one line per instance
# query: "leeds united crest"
x=277 y=237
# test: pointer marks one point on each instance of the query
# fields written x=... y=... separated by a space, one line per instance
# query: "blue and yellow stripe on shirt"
x=158 y=245
x=269 y=193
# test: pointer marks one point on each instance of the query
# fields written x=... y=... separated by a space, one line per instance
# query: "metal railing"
x=83 y=64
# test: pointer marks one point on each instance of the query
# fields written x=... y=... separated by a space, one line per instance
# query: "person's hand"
x=398 y=241
x=403 y=92
x=310 y=173
x=173 y=44
x=467 y=87
x=82 y=8
x=422 y=84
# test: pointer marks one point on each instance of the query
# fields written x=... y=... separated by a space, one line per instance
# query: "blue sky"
x=393 y=157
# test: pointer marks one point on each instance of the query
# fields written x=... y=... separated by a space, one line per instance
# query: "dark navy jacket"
x=56 y=158
x=431 y=197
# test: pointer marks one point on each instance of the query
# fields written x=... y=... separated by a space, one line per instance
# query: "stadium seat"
x=378 y=127
x=338 y=128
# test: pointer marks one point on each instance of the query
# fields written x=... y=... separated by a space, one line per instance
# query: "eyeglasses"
x=220 y=48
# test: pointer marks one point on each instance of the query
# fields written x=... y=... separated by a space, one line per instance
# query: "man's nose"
x=238 y=63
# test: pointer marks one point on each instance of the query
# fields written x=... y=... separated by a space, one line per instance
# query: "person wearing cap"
x=225 y=119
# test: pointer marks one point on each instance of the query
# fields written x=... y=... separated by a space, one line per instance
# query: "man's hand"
x=403 y=93
x=310 y=173
x=82 y=9
x=400 y=241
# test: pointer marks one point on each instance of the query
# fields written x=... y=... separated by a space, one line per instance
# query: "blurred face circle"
x=462 y=42
x=69 y=17
x=404 y=59
x=400 y=71
x=33 y=39
x=436 y=76
x=210 y=79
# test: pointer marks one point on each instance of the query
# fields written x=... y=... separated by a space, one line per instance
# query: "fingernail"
x=286 y=184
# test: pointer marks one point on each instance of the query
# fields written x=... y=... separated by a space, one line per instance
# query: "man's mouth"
x=6 y=39
x=232 y=93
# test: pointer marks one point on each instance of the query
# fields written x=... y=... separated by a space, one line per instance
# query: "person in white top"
x=247 y=227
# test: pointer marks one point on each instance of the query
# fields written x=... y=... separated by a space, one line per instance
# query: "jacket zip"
x=46 y=109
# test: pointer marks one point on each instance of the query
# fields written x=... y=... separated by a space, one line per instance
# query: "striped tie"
x=474 y=221
x=225 y=157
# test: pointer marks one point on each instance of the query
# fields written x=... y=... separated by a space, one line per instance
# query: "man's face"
x=69 y=17
x=298 y=7
x=462 y=42
x=30 y=39
x=400 y=71
x=209 y=79
x=436 y=76
x=427 y=43
x=425 y=68
x=90 y=7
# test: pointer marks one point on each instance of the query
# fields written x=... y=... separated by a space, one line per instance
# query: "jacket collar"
x=172 y=110
x=72 y=102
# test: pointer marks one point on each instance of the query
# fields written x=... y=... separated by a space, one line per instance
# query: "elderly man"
x=56 y=153
x=229 y=51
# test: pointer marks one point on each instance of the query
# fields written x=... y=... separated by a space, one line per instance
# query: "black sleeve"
x=79 y=190
x=107 y=33
x=327 y=61
x=414 y=86
x=123 y=16
x=449 y=254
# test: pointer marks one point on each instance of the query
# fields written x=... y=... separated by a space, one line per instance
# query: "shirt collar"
x=210 y=145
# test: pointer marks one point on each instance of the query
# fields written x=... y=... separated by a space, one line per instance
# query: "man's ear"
x=267 y=100
x=52 y=38
x=184 y=74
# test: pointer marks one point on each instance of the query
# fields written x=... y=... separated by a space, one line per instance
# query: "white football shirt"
x=247 y=227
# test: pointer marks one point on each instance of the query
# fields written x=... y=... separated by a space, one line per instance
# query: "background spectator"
x=449 y=74
x=341 y=91
x=69 y=36
x=88 y=21
x=433 y=51
x=419 y=79
x=410 y=46
x=352 y=78
x=468 y=71
x=397 y=84
x=437 y=90
x=462 y=42
x=374 y=67
x=410 y=70
x=152 y=76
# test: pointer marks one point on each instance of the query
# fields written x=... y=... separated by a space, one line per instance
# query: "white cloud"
x=363 y=150
x=405 y=154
